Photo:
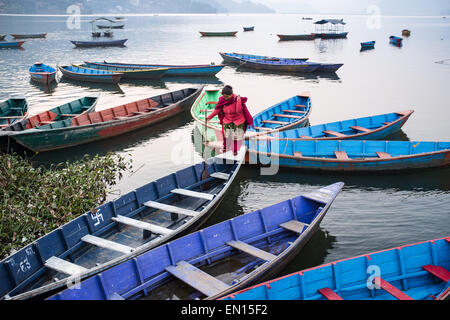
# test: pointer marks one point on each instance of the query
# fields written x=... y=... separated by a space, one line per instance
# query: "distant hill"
x=131 y=6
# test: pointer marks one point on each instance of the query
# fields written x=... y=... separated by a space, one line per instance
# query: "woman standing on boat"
x=234 y=118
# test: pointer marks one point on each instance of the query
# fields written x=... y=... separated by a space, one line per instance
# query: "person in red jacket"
x=234 y=118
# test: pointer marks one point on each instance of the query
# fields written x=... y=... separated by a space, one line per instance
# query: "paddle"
x=205 y=173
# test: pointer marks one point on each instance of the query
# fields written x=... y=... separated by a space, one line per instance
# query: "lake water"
x=373 y=212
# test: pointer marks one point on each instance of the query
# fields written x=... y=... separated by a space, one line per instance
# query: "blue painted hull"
x=233 y=57
x=11 y=44
x=42 y=73
x=259 y=230
x=407 y=268
x=90 y=75
x=105 y=43
x=367 y=45
x=360 y=156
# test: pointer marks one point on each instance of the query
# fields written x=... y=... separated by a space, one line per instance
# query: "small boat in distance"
x=329 y=29
x=11 y=44
x=367 y=45
x=249 y=28
x=90 y=75
x=233 y=57
x=121 y=230
x=217 y=260
x=291 y=37
x=102 y=43
x=42 y=73
x=218 y=34
x=307 y=18
x=419 y=271
x=12 y=110
x=126 y=72
x=29 y=36
x=397 y=41
x=406 y=32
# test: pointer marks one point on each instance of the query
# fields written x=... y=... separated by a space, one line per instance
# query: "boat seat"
x=69 y=115
x=64 y=266
x=300 y=106
x=341 y=155
x=389 y=288
x=206 y=110
x=334 y=133
x=171 y=209
x=251 y=250
x=195 y=194
x=298 y=154
x=11 y=117
x=196 y=278
x=286 y=116
x=383 y=155
x=294 y=225
x=153 y=228
x=438 y=271
x=41 y=123
x=304 y=137
x=103 y=243
x=262 y=128
x=211 y=102
x=294 y=111
x=275 y=122
x=358 y=128
x=220 y=175
x=329 y=294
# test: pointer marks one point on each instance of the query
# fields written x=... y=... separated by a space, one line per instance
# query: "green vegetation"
x=35 y=201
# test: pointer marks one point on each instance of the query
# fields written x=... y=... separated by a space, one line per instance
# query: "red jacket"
x=223 y=113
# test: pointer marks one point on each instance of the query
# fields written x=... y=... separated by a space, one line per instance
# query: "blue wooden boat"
x=295 y=66
x=233 y=57
x=12 y=110
x=119 y=230
x=419 y=271
x=367 y=45
x=351 y=155
x=11 y=44
x=42 y=73
x=102 y=43
x=126 y=72
x=249 y=28
x=238 y=252
x=364 y=128
x=90 y=75
x=172 y=70
x=395 y=40
x=291 y=37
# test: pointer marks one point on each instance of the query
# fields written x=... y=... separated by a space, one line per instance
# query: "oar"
x=205 y=173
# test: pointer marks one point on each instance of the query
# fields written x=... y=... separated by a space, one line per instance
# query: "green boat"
x=128 y=73
x=206 y=102
x=12 y=110
x=218 y=34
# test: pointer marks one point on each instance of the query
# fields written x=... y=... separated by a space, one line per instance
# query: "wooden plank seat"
x=220 y=175
x=103 y=243
x=300 y=106
x=294 y=111
x=45 y=122
x=294 y=225
x=358 y=128
x=286 y=116
x=334 y=133
x=153 y=228
x=171 y=209
x=383 y=155
x=211 y=102
x=275 y=122
x=206 y=110
x=195 y=194
x=262 y=128
x=389 y=288
x=11 y=117
x=329 y=294
x=251 y=250
x=64 y=266
x=341 y=155
x=197 y=278
x=438 y=272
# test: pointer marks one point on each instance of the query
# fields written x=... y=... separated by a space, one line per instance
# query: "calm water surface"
x=373 y=212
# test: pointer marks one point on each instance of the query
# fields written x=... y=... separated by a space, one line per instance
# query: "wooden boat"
x=90 y=75
x=329 y=29
x=12 y=110
x=331 y=35
x=42 y=73
x=61 y=115
x=218 y=34
x=172 y=70
x=11 y=44
x=406 y=32
x=108 y=33
x=249 y=28
x=238 y=252
x=328 y=67
x=233 y=57
x=120 y=230
x=114 y=25
x=395 y=40
x=29 y=36
x=2 y=37
x=365 y=128
x=351 y=155
x=419 y=271
x=280 y=65
x=109 y=122
x=367 y=45
x=307 y=18
x=127 y=73
x=290 y=37
x=288 y=114
x=103 y=43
